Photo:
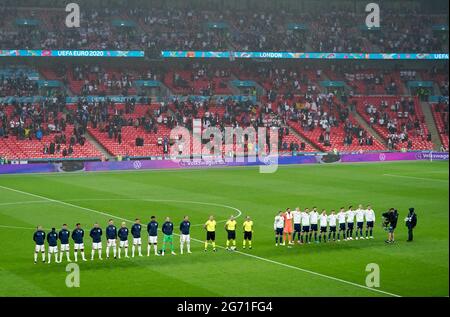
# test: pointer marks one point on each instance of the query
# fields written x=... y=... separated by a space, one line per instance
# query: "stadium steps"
x=426 y=109
x=364 y=124
x=98 y=146
x=291 y=130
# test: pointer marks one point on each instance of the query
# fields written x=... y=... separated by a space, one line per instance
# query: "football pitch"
x=327 y=269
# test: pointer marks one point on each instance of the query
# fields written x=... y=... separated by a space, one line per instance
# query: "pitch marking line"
x=200 y=241
x=238 y=212
x=420 y=178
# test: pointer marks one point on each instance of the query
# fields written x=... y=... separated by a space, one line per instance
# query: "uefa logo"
x=137 y=165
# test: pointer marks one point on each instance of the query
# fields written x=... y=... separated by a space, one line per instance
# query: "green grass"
x=417 y=269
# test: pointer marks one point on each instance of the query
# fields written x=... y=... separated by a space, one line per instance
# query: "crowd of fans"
x=34 y=121
x=187 y=29
x=400 y=121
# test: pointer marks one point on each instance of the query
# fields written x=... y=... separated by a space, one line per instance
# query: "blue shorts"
x=279 y=231
x=305 y=229
x=350 y=225
x=369 y=224
x=342 y=226
x=323 y=229
x=314 y=227
x=332 y=228
x=297 y=227
x=359 y=225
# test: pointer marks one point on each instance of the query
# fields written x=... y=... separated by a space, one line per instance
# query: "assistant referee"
x=210 y=227
x=248 y=232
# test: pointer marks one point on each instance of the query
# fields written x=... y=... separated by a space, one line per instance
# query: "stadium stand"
x=194 y=29
x=440 y=115
x=399 y=121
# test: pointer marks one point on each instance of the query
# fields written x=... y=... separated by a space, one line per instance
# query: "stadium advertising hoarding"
x=69 y=53
x=299 y=55
x=72 y=166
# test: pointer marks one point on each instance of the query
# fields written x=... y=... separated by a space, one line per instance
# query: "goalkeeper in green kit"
x=167 y=229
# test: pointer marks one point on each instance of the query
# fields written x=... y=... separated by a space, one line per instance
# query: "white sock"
x=126 y=251
x=148 y=249
x=49 y=257
x=107 y=252
x=156 y=248
x=115 y=251
x=188 y=246
x=35 y=256
x=43 y=256
x=181 y=248
x=68 y=256
x=120 y=250
x=61 y=256
x=132 y=250
x=99 y=253
x=92 y=254
x=76 y=255
x=140 y=250
x=82 y=255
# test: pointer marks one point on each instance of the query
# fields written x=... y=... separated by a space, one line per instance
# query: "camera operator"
x=391 y=218
x=411 y=222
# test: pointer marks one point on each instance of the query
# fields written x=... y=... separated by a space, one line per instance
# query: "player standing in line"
x=152 y=229
x=77 y=237
x=288 y=227
x=39 y=239
x=136 y=233
x=248 y=232
x=341 y=219
x=278 y=226
x=185 y=229
x=167 y=229
x=123 y=239
x=305 y=226
x=350 y=221
x=230 y=227
x=314 y=219
x=332 y=223
x=323 y=226
x=52 y=239
x=111 y=235
x=370 y=220
x=359 y=222
x=210 y=227
x=297 y=214
x=96 y=235
x=64 y=236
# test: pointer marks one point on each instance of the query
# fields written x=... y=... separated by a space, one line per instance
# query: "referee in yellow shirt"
x=248 y=230
x=210 y=227
x=230 y=227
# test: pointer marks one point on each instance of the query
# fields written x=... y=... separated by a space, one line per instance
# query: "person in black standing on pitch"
x=392 y=218
x=411 y=222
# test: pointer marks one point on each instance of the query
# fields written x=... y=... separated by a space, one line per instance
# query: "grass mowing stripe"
x=420 y=178
x=200 y=241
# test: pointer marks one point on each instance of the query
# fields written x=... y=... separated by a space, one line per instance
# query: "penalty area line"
x=200 y=241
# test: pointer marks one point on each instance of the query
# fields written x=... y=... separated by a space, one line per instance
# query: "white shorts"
x=152 y=239
x=111 y=243
x=78 y=246
x=39 y=248
x=53 y=249
x=65 y=247
x=185 y=238
x=137 y=241
x=123 y=243
x=96 y=245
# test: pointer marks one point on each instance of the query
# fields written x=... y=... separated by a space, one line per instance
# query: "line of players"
x=112 y=234
x=305 y=224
